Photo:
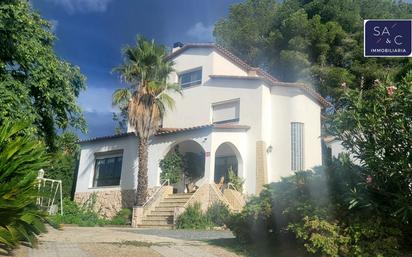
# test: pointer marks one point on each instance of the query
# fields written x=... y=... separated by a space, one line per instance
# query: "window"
x=107 y=169
x=226 y=111
x=190 y=78
x=297 y=146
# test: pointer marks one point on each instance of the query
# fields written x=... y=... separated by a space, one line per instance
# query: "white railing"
x=156 y=192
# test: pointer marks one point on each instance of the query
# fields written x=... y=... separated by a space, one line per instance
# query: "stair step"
x=155 y=217
x=171 y=204
x=157 y=222
x=175 y=200
x=179 y=196
x=164 y=209
x=168 y=226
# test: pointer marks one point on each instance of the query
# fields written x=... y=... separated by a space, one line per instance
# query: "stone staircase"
x=162 y=214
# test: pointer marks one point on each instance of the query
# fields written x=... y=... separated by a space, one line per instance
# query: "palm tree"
x=145 y=69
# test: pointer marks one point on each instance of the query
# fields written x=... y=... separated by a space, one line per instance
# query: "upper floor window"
x=227 y=111
x=190 y=78
x=297 y=146
x=108 y=169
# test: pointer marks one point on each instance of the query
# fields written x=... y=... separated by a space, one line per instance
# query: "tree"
x=146 y=69
x=21 y=157
x=35 y=84
x=315 y=41
x=375 y=125
x=64 y=161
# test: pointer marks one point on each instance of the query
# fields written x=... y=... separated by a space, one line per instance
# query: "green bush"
x=193 y=218
x=123 y=217
x=218 y=213
x=85 y=216
x=21 y=156
x=314 y=207
x=172 y=167
x=236 y=181
x=79 y=215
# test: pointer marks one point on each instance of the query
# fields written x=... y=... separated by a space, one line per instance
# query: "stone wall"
x=107 y=203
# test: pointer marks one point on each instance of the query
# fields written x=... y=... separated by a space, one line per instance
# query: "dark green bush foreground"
x=21 y=156
x=193 y=217
x=343 y=209
x=84 y=215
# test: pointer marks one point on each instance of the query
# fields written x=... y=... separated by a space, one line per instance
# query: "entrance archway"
x=227 y=157
x=193 y=166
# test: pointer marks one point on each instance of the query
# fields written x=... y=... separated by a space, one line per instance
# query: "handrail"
x=156 y=192
x=193 y=196
x=220 y=194
x=233 y=186
x=235 y=195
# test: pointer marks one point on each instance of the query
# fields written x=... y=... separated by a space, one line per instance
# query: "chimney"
x=177 y=46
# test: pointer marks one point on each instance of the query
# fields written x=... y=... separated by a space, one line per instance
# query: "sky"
x=91 y=34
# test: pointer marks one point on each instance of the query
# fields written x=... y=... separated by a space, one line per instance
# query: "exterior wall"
x=291 y=105
x=87 y=161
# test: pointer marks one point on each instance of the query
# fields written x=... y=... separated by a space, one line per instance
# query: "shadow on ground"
x=265 y=249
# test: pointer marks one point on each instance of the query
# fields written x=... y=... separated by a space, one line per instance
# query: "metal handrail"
x=157 y=191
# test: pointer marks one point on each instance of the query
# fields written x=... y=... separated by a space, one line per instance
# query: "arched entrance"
x=227 y=157
x=192 y=165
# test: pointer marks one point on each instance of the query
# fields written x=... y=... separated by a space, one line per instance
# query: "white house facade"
x=230 y=115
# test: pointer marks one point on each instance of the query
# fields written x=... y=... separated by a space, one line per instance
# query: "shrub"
x=314 y=206
x=193 y=218
x=80 y=215
x=123 y=217
x=218 y=213
x=172 y=167
x=21 y=156
x=236 y=181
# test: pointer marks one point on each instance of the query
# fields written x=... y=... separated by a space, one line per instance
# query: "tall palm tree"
x=148 y=97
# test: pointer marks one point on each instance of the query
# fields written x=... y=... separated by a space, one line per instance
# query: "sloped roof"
x=262 y=74
x=167 y=131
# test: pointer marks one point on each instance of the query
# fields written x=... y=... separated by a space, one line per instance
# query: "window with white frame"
x=190 y=78
x=107 y=169
x=297 y=137
x=225 y=112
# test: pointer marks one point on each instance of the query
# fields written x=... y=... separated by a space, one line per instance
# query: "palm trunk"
x=141 y=195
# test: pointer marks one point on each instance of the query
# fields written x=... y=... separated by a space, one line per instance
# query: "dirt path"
x=124 y=242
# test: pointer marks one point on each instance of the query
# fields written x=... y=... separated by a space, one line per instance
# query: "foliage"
x=35 y=84
x=172 y=167
x=145 y=69
x=218 y=213
x=123 y=217
x=235 y=180
x=64 y=161
x=21 y=157
x=194 y=165
x=84 y=215
x=317 y=41
x=193 y=218
x=76 y=214
x=376 y=126
x=314 y=206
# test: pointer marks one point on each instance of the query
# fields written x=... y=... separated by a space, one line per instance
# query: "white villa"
x=231 y=115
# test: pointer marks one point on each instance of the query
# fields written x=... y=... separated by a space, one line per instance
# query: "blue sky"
x=91 y=34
